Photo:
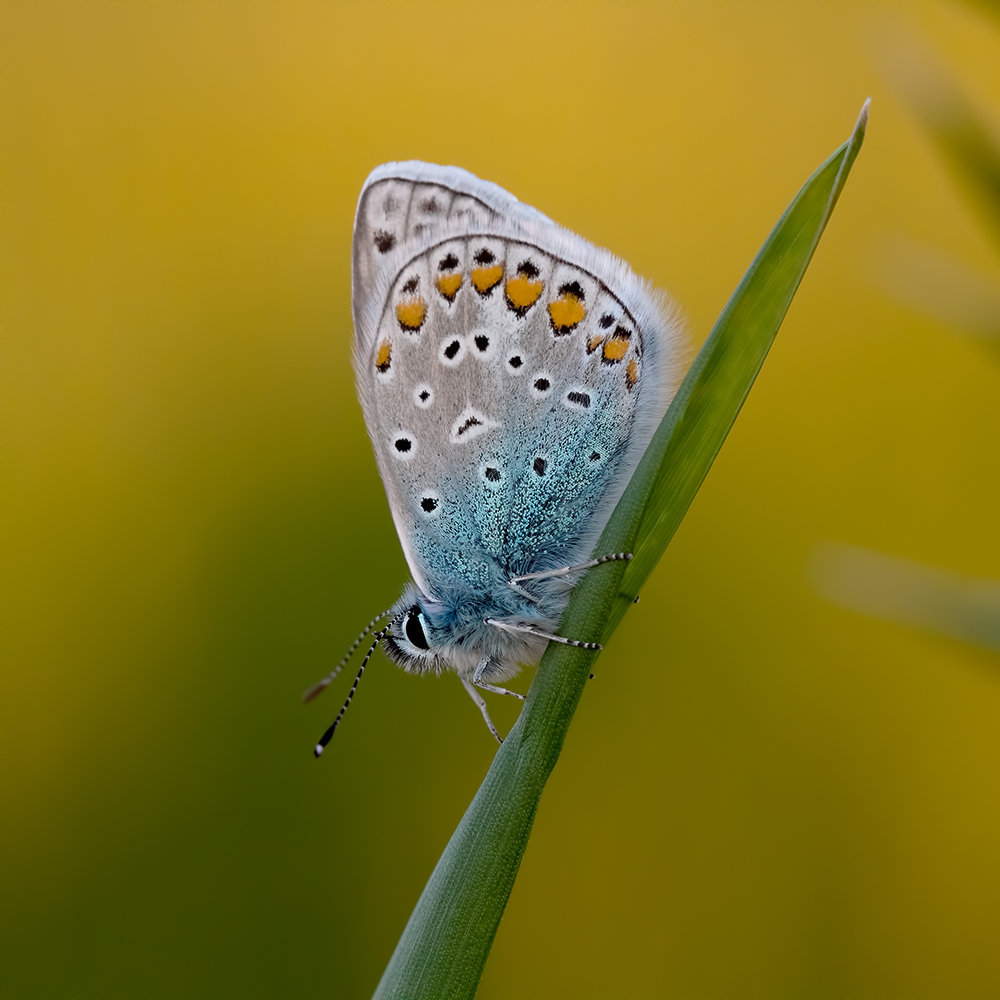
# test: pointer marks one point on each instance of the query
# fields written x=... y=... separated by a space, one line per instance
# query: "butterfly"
x=511 y=375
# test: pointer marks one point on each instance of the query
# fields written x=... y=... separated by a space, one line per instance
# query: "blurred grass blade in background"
x=898 y=590
x=970 y=145
x=447 y=939
x=967 y=140
x=937 y=284
x=946 y=289
x=940 y=286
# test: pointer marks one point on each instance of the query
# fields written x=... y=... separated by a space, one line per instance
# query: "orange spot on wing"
x=449 y=284
x=615 y=349
x=631 y=374
x=384 y=357
x=486 y=278
x=565 y=312
x=411 y=313
x=522 y=292
x=595 y=342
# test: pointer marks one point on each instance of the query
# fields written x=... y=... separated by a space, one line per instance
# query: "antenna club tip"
x=318 y=750
x=315 y=690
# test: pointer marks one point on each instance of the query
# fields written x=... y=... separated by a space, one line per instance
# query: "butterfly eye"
x=414 y=629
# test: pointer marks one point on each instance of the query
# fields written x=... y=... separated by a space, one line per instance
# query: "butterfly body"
x=511 y=375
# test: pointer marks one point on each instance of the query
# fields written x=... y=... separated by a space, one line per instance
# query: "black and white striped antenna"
x=317 y=689
x=328 y=735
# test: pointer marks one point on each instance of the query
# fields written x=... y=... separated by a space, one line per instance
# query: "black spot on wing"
x=468 y=424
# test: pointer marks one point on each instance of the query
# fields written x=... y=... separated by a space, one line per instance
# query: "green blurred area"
x=762 y=794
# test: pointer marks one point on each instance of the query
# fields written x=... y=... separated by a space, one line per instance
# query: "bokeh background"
x=764 y=794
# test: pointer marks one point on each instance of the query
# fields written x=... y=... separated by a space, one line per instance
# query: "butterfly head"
x=414 y=640
x=458 y=631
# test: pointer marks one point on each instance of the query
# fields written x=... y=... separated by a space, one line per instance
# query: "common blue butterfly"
x=511 y=375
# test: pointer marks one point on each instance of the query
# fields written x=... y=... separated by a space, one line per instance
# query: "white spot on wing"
x=449 y=354
x=541 y=385
x=482 y=343
x=402 y=445
x=428 y=503
x=578 y=398
x=470 y=424
x=516 y=364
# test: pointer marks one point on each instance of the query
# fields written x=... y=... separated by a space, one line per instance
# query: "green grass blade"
x=445 y=944
x=713 y=392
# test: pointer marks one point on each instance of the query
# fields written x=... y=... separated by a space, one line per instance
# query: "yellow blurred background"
x=762 y=795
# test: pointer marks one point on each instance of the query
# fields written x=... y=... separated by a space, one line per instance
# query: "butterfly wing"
x=510 y=374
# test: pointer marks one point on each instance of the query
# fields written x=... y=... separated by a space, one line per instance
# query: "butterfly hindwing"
x=508 y=371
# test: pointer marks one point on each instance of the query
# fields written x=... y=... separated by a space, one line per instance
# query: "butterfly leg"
x=547 y=574
x=477 y=679
x=515 y=626
x=481 y=705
